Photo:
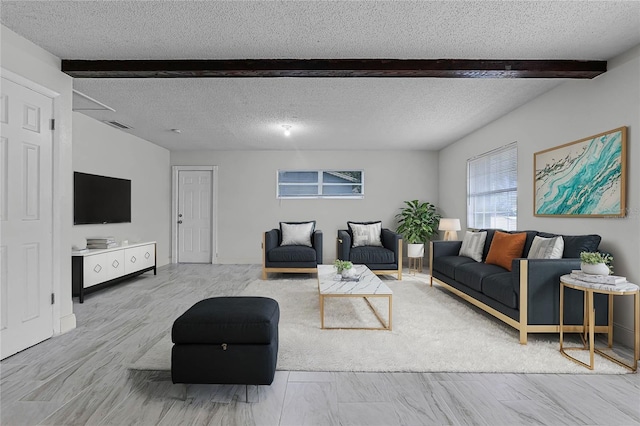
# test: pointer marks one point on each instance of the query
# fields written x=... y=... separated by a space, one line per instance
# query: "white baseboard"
x=238 y=261
x=623 y=335
x=67 y=323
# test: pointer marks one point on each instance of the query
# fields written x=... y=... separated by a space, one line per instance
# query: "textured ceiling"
x=339 y=113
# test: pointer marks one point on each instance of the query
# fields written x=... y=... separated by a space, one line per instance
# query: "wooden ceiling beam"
x=385 y=68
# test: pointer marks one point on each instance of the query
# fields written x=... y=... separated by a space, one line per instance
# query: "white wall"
x=103 y=150
x=247 y=204
x=569 y=112
x=24 y=58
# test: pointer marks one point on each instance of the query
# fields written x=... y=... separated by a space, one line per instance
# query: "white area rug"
x=432 y=332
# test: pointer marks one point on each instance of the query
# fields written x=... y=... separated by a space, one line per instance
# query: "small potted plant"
x=596 y=263
x=417 y=222
x=342 y=265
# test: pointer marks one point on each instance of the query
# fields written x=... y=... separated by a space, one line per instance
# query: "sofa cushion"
x=506 y=247
x=472 y=274
x=297 y=233
x=576 y=244
x=448 y=264
x=369 y=254
x=365 y=234
x=499 y=287
x=487 y=241
x=473 y=245
x=546 y=248
x=292 y=254
x=527 y=245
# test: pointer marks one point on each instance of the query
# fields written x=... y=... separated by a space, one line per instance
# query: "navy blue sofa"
x=527 y=297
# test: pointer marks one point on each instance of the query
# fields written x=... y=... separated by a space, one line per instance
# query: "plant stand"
x=415 y=265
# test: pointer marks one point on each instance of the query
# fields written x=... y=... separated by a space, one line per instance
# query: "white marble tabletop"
x=369 y=283
x=621 y=288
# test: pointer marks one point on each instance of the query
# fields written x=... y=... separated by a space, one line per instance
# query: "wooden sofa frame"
x=521 y=325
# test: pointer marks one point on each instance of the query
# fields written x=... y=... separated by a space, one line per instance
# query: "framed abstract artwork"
x=585 y=178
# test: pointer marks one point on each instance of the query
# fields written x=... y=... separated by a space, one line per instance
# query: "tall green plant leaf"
x=417 y=222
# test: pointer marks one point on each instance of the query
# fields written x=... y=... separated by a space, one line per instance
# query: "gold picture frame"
x=585 y=178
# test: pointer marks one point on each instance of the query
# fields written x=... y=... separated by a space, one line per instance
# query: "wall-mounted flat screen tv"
x=100 y=199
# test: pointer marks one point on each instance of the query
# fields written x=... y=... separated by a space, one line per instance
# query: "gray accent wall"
x=103 y=150
x=247 y=205
x=573 y=110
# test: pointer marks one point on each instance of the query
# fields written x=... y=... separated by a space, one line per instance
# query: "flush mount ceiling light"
x=287 y=129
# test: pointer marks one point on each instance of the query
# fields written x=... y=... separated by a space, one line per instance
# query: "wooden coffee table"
x=368 y=286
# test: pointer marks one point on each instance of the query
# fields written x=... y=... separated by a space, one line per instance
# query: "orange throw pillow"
x=506 y=247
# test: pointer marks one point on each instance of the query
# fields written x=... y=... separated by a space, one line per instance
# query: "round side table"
x=588 y=336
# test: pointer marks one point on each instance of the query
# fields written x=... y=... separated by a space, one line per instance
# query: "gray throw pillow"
x=366 y=234
x=297 y=234
x=546 y=248
x=473 y=244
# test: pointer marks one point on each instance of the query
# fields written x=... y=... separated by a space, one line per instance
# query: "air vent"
x=117 y=125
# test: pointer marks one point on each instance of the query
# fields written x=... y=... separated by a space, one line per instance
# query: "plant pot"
x=594 y=269
x=349 y=273
x=415 y=250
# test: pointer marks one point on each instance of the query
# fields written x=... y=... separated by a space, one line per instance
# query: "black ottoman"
x=226 y=340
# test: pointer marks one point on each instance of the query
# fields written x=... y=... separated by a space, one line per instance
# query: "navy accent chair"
x=385 y=260
x=290 y=259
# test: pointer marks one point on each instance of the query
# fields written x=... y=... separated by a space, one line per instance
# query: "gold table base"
x=589 y=320
x=384 y=326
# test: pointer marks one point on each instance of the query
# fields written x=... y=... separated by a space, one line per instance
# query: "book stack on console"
x=101 y=242
x=600 y=279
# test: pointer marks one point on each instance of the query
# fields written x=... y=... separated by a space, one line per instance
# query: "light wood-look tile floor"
x=81 y=377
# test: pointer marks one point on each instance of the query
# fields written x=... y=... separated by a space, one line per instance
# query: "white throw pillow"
x=473 y=244
x=546 y=248
x=366 y=234
x=297 y=234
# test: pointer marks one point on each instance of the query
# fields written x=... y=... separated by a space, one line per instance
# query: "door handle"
x=179 y=222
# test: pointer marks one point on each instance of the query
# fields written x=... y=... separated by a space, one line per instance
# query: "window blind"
x=492 y=189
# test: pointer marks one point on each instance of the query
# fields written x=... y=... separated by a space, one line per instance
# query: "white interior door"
x=26 y=218
x=194 y=216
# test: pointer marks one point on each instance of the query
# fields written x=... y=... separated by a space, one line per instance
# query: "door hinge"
x=53 y=124
x=53 y=298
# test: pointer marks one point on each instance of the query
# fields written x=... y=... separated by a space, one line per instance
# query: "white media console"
x=98 y=268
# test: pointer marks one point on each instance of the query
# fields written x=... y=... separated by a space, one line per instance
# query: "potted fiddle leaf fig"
x=418 y=223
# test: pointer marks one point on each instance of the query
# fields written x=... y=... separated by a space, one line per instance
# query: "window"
x=320 y=184
x=492 y=189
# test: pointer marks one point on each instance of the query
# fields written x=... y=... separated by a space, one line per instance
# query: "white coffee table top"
x=621 y=288
x=369 y=284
